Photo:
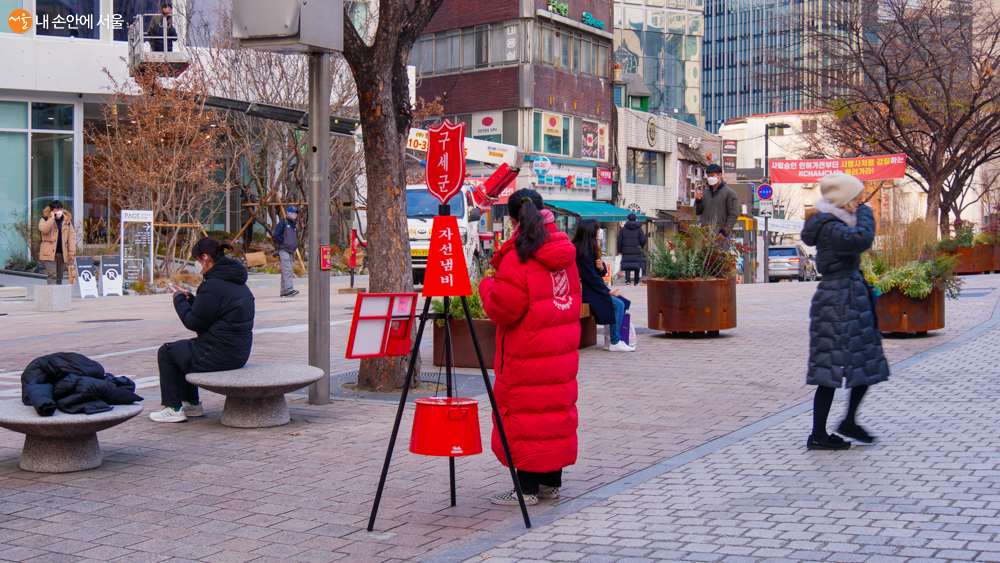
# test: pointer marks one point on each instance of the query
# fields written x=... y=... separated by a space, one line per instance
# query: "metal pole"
x=767 y=253
x=319 y=223
x=448 y=344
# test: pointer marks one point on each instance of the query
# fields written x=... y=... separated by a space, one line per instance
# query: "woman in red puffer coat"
x=535 y=302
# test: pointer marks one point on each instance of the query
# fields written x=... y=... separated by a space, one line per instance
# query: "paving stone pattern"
x=927 y=491
x=302 y=492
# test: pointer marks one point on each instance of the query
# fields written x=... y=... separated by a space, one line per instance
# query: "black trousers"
x=530 y=482
x=629 y=273
x=174 y=388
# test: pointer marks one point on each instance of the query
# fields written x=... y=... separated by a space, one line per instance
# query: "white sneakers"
x=621 y=347
x=167 y=414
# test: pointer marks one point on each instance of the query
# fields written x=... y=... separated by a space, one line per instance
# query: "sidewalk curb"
x=23 y=274
x=547 y=516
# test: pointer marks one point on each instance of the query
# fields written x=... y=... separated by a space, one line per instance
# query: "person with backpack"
x=631 y=241
x=286 y=242
x=535 y=301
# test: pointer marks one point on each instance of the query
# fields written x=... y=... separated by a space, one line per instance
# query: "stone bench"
x=255 y=393
x=10 y=292
x=53 y=298
x=62 y=442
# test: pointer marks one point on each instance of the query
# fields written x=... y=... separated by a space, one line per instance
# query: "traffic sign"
x=766 y=208
x=764 y=191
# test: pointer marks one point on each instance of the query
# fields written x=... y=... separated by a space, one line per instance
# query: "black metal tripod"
x=446 y=316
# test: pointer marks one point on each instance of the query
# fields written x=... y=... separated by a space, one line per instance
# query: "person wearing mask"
x=58 y=246
x=845 y=344
x=631 y=241
x=286 y=242
x=719 y=207
x=607 y=305
x=222 y=315
x=157 y=24
x=535 y=301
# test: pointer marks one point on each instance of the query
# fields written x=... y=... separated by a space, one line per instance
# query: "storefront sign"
x=868 y=168
x=446 y=160
x=651 y=131
x=475 y=149
x=552 y=124
x=541 y=165
x=510 y=43
x=487 y=124
x=591 y=139
x=137 y=246
x=729 y=147
x=591 y=21
x=565 y=179
x=604 y=176
x=602 y=140
x=729 y=163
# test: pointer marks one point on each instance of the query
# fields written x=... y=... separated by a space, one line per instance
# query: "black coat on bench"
x=73 y=383
x=222 y=314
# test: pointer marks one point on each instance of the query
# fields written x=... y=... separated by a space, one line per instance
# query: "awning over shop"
x=604 y=212
x=693 y=155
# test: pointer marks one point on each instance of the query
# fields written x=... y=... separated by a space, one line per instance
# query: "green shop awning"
x=603 y=212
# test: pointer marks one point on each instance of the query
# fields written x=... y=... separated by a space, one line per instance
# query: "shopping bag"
x=632 y=340
x=626 y=325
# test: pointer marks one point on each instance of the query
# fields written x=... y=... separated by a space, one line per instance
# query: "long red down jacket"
x=536 y=306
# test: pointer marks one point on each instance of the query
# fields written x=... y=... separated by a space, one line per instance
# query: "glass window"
x=547 y=45
x=129 y=9
x=13 y=115
x=586 y=56
x=635 y=17
x=482 y=47
x=565 y=135
x=645 y=167
x=696 y=24
x=576 y=54
x=468 y=50
x=441 y=54
x=51 y=170
x=537 y=145
x=68 y=18
x=420 y=203
x=6 y=7
x=772 y=252
x=52 y=116
x=673 y=48
x=677 y=22
x=13 y=183
x=602 y=62
x=692 y=48
x=454 y=51
x=497 y=44
x=426 y=57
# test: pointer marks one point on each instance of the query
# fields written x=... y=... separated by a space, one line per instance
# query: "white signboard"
x=85 y=276
x=784 y=226
x=475 y=149
x=766 y=208
x=487 y=123
x=136 y=246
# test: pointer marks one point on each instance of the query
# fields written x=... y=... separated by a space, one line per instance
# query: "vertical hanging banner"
x=446 y=160
x=85 y=276
x=111 y=275
x=446 y=274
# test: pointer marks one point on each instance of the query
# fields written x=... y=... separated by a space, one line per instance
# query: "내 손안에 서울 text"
x=20 y=21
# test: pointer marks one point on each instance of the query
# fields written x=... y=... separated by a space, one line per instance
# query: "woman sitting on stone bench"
x=222 y=315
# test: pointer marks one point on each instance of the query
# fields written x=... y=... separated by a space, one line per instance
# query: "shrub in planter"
x=692 y=287
x=461 y=338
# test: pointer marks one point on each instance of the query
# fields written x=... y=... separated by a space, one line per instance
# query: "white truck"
x=421 y=207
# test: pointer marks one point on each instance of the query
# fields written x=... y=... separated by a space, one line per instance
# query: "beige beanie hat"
x=840 y=189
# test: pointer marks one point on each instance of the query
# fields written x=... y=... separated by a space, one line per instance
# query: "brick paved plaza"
x=690 y=449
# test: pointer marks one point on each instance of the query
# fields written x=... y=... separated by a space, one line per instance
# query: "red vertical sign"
x=446 y=274
x=354 y=250
x=446 y=160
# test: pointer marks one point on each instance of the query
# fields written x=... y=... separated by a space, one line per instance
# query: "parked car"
x=790 y=262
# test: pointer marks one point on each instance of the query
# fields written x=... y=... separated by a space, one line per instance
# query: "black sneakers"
x=852 y=430
x=831 y=442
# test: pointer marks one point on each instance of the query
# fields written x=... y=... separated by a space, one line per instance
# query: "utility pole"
x=319 y=223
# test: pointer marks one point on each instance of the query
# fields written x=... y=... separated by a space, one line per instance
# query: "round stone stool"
x=255 y=393
x=62 y=442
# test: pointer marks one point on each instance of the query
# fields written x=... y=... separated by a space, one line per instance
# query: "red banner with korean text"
x=446 y=274
x=865 y=168
x=446 y=160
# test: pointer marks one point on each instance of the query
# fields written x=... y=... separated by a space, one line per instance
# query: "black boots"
x=852 y=430
x=831 y=442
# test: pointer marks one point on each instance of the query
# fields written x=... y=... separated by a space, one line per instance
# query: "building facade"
x=661 y=41
x=530 y=73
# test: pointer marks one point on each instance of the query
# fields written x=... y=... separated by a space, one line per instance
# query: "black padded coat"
x=222 y=314
x=844 y=339
x=631 y=241
x=73 y=383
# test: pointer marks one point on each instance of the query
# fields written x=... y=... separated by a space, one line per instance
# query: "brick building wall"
x=482 y=90
x=572 y=94
x=455 y=14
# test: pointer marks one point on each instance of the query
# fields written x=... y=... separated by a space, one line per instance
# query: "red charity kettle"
x=446 y=426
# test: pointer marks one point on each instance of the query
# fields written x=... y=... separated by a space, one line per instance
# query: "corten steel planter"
x=966 y=261
x=691 y=306
x=899 y=313
x=984 y=257
x=588 y=332
x=996 y=257
x=461 y=343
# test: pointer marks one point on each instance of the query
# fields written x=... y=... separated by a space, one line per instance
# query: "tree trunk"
x=388 y=235
x=935 y=213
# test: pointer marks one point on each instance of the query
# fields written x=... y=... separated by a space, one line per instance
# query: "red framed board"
x=381 y=325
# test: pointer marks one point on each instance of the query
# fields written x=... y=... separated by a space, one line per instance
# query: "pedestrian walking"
x=607 y=305
x=222 y=315
x=286 y=242
x=718 y=207
x=631 y=242
x=535 y=302
x=58 y=246
x=845 y=344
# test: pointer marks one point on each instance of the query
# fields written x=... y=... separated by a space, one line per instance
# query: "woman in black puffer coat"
x=222 y=315
x=845 y=344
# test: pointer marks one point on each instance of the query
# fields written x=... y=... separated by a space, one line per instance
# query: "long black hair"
x=585 y=239
x=525 y=206
x=212 y=247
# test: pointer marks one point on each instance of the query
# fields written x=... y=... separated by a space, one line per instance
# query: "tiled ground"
x=200 y=491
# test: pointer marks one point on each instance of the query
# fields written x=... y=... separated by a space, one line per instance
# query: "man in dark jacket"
x=719 y=206
x=222 y=315
x=631 y=241
x=162 y=27
x=286 y=242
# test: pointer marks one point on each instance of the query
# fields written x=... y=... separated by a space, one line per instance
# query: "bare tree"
x=378 y=61
x=906 y=76
x=161 y=151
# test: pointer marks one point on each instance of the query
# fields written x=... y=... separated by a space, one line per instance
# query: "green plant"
x=455 y=305
x=915 y=279
x=949 y=245
x=986 y=238
x=697 y=254
x=965 y=231
x=19 y=264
